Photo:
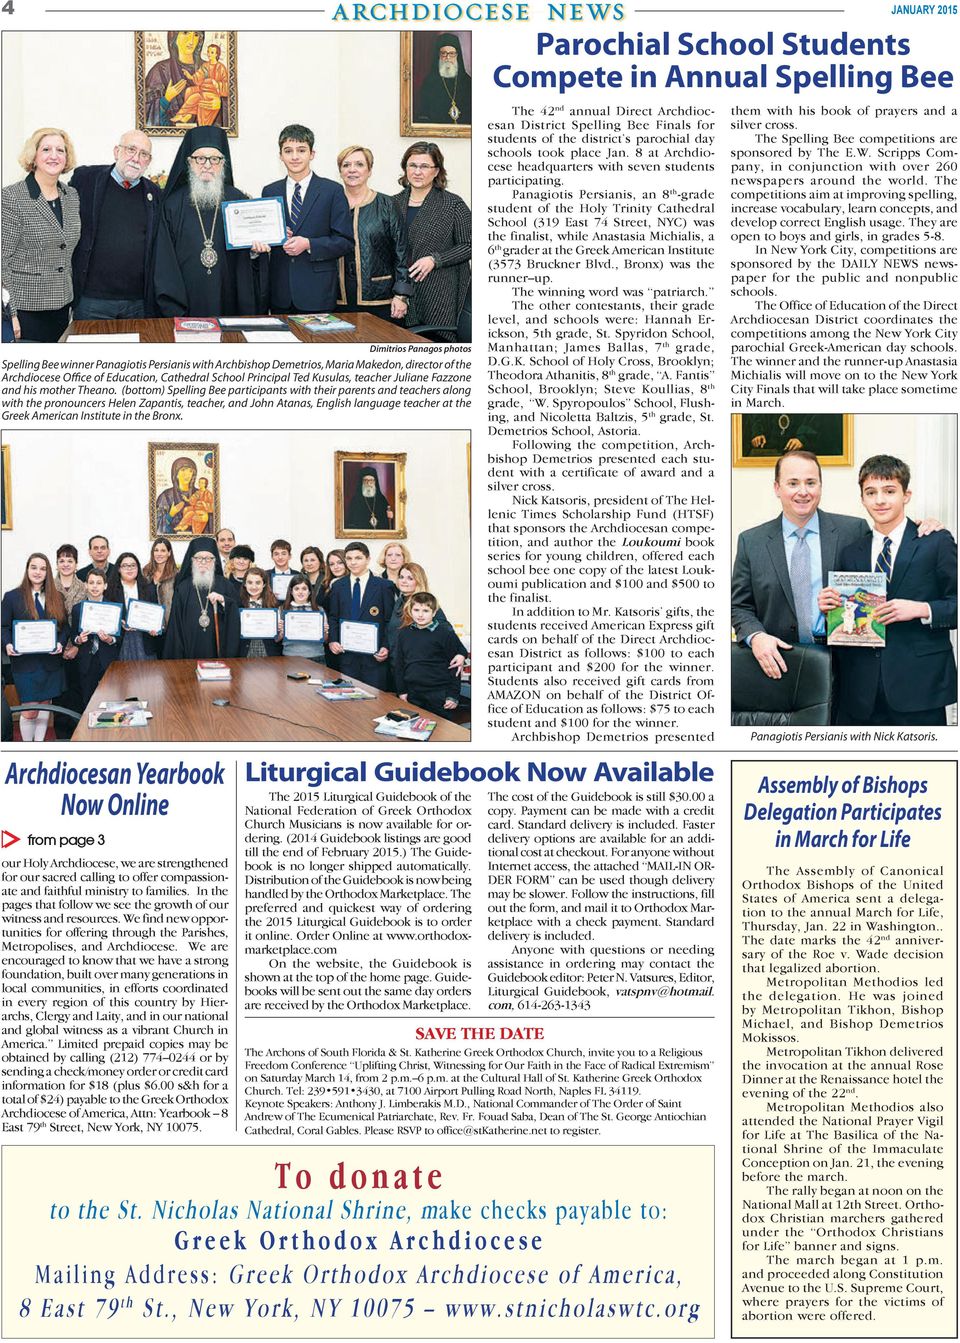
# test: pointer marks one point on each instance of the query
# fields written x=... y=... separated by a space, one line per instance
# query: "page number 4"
x=7 y=8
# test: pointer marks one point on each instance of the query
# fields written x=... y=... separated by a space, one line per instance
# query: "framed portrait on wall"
x=186 y=79
x=436 y=86
x=760 y=437
x=370 y=495
x=184 y=490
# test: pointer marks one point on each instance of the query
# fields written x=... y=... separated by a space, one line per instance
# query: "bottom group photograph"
x=296 y=586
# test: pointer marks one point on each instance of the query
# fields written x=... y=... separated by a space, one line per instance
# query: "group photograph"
x=304 y=586
x=195 y=198
x=844 y=579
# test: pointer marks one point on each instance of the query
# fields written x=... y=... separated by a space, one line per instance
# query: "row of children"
x=417 y=653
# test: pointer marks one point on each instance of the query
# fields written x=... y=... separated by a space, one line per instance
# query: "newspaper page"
x=479 y=819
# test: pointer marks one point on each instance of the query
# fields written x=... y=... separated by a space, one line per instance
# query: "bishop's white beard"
x=202 y=580
x=207 y=195
x=448 y=69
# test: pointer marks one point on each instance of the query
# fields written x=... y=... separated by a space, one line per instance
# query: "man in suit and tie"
x=361 y=596
x=913 y=677
x=782 y=565
x=303 y=272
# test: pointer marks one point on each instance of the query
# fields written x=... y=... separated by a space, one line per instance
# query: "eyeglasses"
x=131 y=151
x=207 y=160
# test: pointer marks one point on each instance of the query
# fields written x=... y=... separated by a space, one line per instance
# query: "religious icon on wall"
x=760 y=438
x=436 y=96
x=371 y=495
x=186 y=79
x=184 y=490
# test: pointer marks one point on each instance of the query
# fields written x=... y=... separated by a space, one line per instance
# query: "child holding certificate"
x=138 y=644
x=35 y=654
x=358 y=610
x=97 y=642
x=302 y=622
x=257 y=596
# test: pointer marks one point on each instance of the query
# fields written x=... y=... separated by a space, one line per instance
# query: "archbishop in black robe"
x=186 y=637
x=185 y=286
x=369 y=512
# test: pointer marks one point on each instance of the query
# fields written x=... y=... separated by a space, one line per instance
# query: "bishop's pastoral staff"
x=204 y=617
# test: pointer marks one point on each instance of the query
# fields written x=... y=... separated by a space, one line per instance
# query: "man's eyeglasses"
x=132 y=152
x=207 y=160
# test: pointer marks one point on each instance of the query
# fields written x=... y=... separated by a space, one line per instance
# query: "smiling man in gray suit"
x=782 y=564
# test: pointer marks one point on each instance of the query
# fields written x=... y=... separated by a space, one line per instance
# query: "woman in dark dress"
x=374 y=276
x=161 y=571
x=38 y=677
x=311 y=564
x=438 y=227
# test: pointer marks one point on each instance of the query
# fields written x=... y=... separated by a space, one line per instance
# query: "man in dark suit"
x=913 y=677
x=303 y=272
x=789 y=555
x=98 y=548
x=119 y=209
x=361 y=596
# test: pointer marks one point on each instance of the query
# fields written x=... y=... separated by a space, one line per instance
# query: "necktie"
x=296 y=207
x=355 y=600
x=127 y=185
x=800 y=582
x=882 y=565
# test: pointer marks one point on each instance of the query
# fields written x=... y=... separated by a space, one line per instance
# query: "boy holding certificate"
x=911 y=679
x=359 y=607
x=95 y=634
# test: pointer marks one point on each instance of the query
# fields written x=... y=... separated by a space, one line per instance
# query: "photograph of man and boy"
x=112 y=210
x=322 y=630
x=890 y=517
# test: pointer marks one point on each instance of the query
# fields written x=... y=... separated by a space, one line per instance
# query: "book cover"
x=196 y=329
x=213 y=671
x=851 y=625
x=318 y=322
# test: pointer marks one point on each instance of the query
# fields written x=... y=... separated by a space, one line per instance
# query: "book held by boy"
x=851 y=624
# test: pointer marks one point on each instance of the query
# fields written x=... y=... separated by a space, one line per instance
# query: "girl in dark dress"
x=336 y=567
x=131 y=585
x=38 y=677
x=298 y=598
x=257 y=594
